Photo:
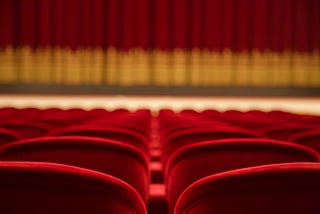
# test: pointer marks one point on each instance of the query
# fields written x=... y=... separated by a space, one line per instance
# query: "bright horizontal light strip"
x=296 y=105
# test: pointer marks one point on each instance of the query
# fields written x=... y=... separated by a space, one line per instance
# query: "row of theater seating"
x=98 y=161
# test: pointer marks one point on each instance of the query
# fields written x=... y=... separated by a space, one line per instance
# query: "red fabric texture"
x=196 y=161
x=278 y=188
x=27 y=129
x=195 y=135
x=37 y=187
x=111 y=157
x=284 y=132
x=107 y=132
x=309 y=138
x=7 y=23
x=238 y=25
x=7 y=136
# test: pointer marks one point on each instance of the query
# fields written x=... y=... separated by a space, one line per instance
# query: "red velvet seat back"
x=194 y=162
x=191 y=136
x=110 y=157
x=279 y=188
x=107 y=132
x=7 y=136
x=38 y=188
x=27 y=129
x=309 y=138
x=286 y=130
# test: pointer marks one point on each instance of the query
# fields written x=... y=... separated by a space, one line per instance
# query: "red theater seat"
x=278 y=188
x=47 y=188
x=7 y=112
x=196 y=161
x=309 y=138
x=285 y=131
x=27 y=129
x=140 y=128
x=7 y=136
x=108 y=132
x=111 y=157
x=190 y=136
x=177 y=126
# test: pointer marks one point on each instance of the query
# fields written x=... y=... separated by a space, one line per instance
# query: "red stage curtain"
x=162 y=42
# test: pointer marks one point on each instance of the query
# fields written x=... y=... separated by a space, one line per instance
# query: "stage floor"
x=298 y=105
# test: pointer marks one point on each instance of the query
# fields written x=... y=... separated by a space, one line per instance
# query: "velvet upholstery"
x=107 y=132
x=285 y=131
x=111 y=157
x=195 y=135
x=7 y=136
x=309 y=138
x=38 y=188
x=27 y=129
x=277 y=188
x=196 y=161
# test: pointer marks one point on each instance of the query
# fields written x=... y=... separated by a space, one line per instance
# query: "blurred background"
x=167 y=47
x=232 y=57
